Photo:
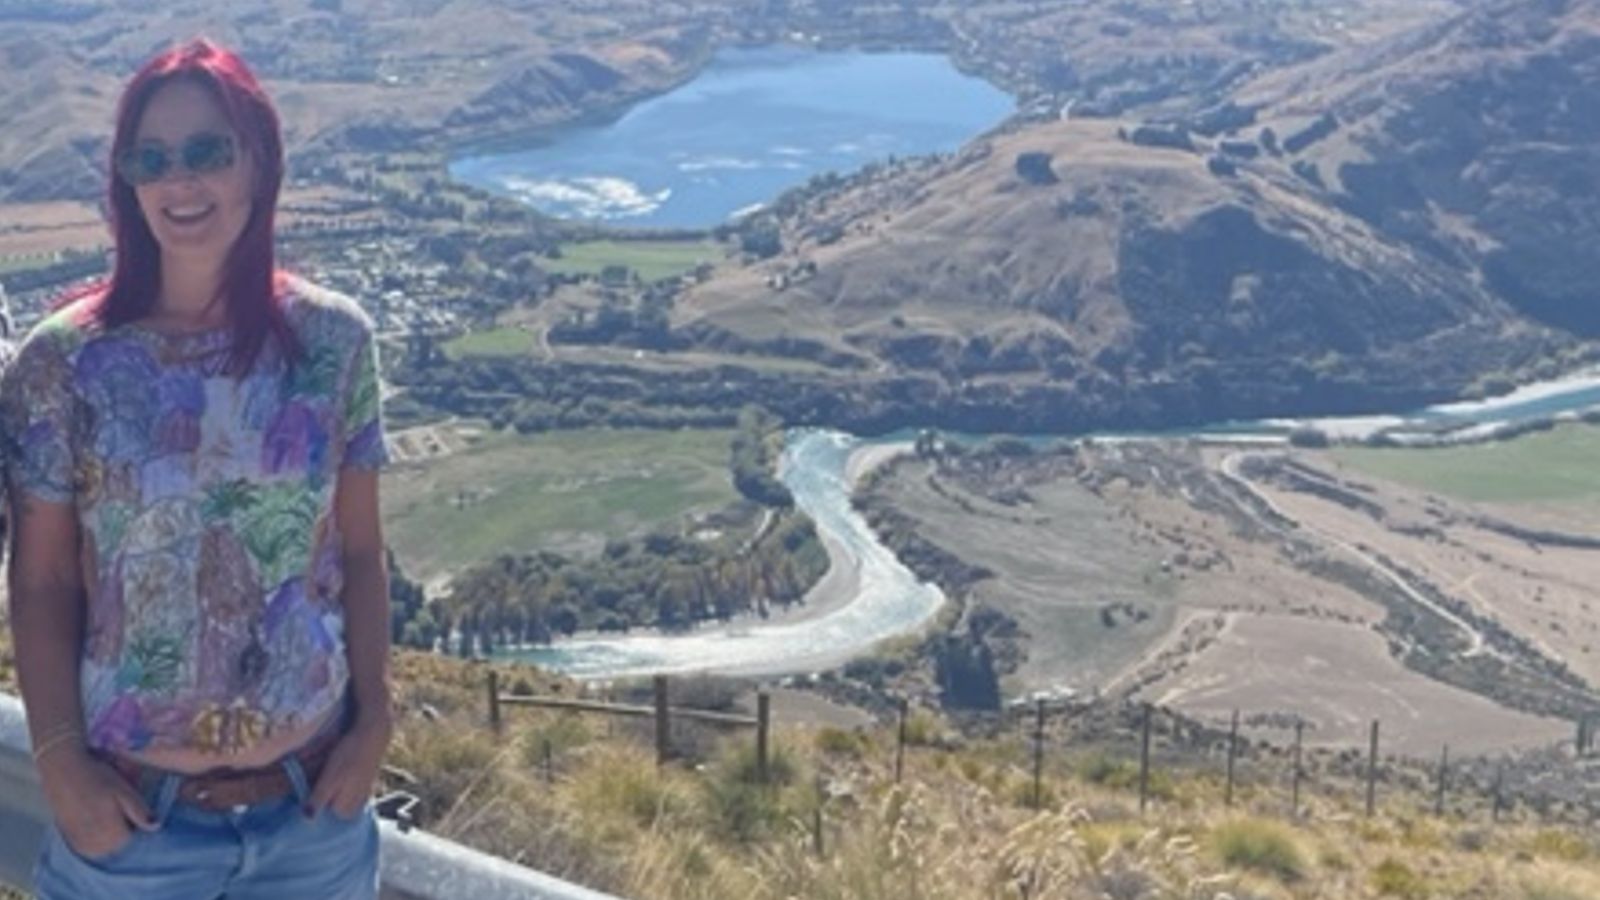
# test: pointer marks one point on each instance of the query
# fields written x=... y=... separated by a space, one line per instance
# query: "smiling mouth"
x=187 y=215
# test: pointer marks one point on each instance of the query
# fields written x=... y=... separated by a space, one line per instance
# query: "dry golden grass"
x=959 y=827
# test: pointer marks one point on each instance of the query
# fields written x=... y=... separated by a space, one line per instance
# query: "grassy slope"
x=1554 y=466
x=960 y=827
x=560 y=491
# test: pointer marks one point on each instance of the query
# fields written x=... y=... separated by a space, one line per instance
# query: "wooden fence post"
x=1444 y=773
x=1144 y=762
x=1499 y=787
x=663 y=722
x=816 y=818
x=763 y=719
x=1372 y=772
x=494 y=700
x=1038 y=755
x=900 y=746
x=1299 y=737
x=1233 y=752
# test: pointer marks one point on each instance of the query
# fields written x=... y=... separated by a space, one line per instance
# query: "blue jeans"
x=268 y=851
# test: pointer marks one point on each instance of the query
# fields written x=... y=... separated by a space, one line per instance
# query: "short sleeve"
x=36 y=416
x=364 y=445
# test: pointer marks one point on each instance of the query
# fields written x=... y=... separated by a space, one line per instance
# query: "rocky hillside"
x=1475 y=141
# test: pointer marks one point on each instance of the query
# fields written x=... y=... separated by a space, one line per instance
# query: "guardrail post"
x=663 y=722
x=763 y=721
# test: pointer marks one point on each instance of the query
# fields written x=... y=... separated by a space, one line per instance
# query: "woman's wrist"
x=374 y=713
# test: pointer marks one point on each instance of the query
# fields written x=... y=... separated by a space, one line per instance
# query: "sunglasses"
x=151 y=161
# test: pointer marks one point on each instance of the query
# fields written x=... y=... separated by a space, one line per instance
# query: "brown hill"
x=1477 y=141
x=1406 y=218
x=1143 y=276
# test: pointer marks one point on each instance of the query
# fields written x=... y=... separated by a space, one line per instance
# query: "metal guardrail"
x=415 y=865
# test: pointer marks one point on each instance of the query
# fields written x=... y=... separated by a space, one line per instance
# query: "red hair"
x=252 y=286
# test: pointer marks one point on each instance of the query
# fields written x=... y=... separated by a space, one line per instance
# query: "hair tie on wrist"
x=54 y=741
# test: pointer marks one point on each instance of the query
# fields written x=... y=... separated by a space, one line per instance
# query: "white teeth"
x=187 y=212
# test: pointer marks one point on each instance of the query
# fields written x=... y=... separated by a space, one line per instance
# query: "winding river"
x=867 y=596
x=870 y=596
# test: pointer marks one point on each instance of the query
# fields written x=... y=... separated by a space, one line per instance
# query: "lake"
x=754 y=123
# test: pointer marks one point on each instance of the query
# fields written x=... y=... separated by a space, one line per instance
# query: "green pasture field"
x=650 y=260
x=10 y=265
x=495 y=342
x=1556 y=466
x=564 y=491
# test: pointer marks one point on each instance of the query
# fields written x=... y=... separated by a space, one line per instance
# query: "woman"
x=198 y=594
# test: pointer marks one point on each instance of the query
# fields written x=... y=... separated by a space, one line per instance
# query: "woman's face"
x=195 y=216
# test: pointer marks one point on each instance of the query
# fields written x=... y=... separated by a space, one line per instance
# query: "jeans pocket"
x=334 y=816
x=99 y=860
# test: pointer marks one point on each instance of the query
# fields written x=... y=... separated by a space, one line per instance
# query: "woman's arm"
x=92 y=805
x=346 y=781
x=366 y=591
x=47 y=615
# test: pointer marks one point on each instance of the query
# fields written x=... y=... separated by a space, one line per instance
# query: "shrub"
x=922 y=729
x=738 y=806
x=1261 y=847
x=564 y=733
x=1393 y=878
x=626 y=784
x=1554 y=843
x=841 y=742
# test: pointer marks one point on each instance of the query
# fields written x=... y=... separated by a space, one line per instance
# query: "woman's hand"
x=352 y=768
x=95 y=809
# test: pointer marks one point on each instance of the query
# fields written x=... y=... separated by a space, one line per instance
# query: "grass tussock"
x=1260 y=846
x=1393 y=878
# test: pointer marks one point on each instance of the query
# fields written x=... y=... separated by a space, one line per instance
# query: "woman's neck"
x=190 y=295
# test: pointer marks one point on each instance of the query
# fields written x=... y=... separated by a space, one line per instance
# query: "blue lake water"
x=754 y=123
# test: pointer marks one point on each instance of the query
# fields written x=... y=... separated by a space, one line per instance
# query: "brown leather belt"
x=220 y=789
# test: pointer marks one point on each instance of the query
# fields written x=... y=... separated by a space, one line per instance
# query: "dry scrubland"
x=1149 y=569
x=960 y=826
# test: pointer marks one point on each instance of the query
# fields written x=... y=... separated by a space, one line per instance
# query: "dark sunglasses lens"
x=207 y=153
x=142 y=165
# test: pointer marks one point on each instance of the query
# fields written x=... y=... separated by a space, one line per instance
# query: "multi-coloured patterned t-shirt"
x=210 y=556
